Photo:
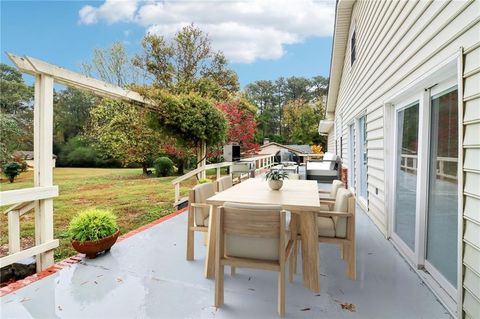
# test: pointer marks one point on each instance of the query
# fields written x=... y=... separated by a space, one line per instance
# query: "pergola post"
x=43 y=168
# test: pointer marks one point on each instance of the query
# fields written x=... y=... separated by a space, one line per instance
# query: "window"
x=353 y=53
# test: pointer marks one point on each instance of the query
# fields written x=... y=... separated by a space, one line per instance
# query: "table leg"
x=210 y=252
x=310 y=258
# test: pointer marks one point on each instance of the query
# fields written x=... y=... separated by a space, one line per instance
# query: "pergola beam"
x=36 y=67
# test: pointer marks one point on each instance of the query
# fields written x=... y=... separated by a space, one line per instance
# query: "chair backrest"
x=252 y=231
x=336 y=185
x=343 y=203
x=200 y=193
x=224 y=183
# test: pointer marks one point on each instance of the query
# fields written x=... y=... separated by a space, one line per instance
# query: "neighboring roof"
x=343 y=13
x=292 y=147
x=27 y=155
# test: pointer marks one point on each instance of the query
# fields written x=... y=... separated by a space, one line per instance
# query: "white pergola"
x=40 y=197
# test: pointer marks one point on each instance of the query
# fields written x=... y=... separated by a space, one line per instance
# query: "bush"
x=204 y=180
x=12 y=170
x=92 y=224
x=82 y=156
x=163 y=166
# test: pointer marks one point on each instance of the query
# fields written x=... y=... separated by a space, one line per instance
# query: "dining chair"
x=224 y=183
x=198 y=214
x=252 y=236
x=337 y=226
x=327 y=198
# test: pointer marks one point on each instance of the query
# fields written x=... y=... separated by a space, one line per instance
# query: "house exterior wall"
x=331 y=142
x=471 y=191
x=396 y=43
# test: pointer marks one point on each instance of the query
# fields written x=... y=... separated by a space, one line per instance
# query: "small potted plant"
x=93 y=231
x=275 y=179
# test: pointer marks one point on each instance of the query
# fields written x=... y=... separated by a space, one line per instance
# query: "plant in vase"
x=275 y=179
x=93 y=231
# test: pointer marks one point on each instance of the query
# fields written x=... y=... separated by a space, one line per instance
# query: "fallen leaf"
x=348 y=306
x=251 y=289
x=99 y=276
x=156 y=279
x=370 y=253
x=58 y=281
x=305 y=309
x=249 y=278
x=83 y=283
x=323 y=275
x=96 y=283
x=317 y=295
x=119 y=280
x=24 y=299
x=60 y=308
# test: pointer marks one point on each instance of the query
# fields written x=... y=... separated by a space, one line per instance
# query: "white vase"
x=275 y=184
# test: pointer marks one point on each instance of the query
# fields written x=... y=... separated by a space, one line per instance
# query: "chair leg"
x=190 y=237
x=342 y=252
x=351 y=265
x=290 y=267
x=281 y=291
x=219 y=280
x=205 y=238
x=294 y=255
x=232 y=271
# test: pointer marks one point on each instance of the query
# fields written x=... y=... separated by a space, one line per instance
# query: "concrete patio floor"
x=147 y=276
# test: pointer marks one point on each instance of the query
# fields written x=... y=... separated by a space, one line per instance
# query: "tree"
x=72 y=112
x=241 y=123
x=119 y=130
x=186 y=64
x=10 y=137
x=16 y=96
x=301 y=122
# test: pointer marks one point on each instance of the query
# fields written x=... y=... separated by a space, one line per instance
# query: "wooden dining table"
x=300 y=197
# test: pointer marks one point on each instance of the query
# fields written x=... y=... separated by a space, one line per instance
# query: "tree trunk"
x=181 y=166
x=145 y=168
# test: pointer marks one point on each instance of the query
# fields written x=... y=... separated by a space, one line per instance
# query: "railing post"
x=177 y=192
x=13 y=231
x=218 y=172
x=43 y=168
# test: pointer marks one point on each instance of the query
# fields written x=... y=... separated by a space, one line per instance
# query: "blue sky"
x=264 y=40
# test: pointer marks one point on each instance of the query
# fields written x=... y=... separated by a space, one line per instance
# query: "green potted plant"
x=275 y=179
x=93 y=231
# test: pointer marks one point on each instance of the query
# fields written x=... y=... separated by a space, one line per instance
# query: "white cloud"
x=244 y=30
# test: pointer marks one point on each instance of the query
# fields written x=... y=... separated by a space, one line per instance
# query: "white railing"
x=261 y=162
x=410 y=163
x=24 y=201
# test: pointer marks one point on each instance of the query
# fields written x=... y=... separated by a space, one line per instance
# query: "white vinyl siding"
x=331 y=142
x=471 y=169
x=397 y=42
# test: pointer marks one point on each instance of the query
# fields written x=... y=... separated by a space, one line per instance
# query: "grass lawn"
x=136 y=200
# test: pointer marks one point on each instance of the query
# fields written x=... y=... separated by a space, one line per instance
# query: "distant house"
x=301 y=151
x=27 y=156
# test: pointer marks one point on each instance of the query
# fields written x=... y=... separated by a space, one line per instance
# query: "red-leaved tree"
x=241 y=124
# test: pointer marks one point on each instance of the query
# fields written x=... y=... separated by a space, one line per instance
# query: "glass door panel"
x=406 y=174
x=362 y=160
x=442 y=216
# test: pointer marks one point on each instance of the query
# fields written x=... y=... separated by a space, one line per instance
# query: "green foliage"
x=204 y=180
x=16 y=95
x=163 y=166
x=301 y=121
x=189 y=118
x=12 y=170
x=119 y=130
x=187 y=63
x=92 y=224
x=10 y=137
x=276 y=175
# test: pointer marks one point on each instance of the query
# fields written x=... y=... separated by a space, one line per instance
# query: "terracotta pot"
x=275 y=184
x=92 y=247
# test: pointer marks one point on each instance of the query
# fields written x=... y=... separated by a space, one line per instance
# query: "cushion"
x=326 y=227
x=253 y=247
x=336 y=184
x=202 y=192
x=341 y=205
x=324 y=207
x=224 y=183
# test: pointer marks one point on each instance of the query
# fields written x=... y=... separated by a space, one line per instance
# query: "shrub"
x=163 y=166
x=92 y=224
x=12 y=170
x=83 y=156
x=204 y=180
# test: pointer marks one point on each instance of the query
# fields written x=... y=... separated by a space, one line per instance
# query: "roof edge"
x=343 y=12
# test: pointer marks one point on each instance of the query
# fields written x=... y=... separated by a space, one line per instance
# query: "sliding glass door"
x=406 y=174
x=442 y=214
x=362 y=158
